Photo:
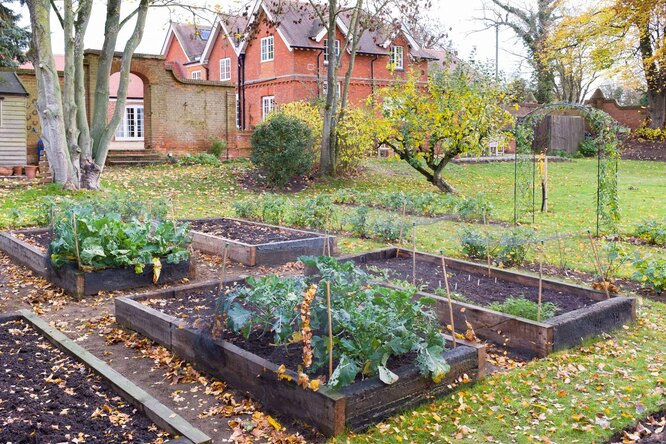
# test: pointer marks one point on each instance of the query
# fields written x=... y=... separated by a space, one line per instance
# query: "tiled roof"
x=11 y=85
x=192 y=38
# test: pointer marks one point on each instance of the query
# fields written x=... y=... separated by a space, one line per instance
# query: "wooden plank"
x=162 y=416
x=25 y=254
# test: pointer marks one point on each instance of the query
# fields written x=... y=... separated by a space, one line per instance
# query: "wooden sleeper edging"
x=157 y=412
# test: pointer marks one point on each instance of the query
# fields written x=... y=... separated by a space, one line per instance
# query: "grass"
x=580 y=395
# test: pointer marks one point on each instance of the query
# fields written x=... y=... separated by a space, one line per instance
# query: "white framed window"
x=267 y=106
x=196 y=75
x=131 y=128
x=324 y=88
x=267 y=49
x=397 y=59
x=337 y=50
x=225 y=69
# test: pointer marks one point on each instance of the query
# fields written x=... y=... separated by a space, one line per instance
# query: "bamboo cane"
x=402 y=227
x=76 y=241
x=414 y=253
x=448 y=295
x=224 y=266
x=487 y=240
x=540 y=281
x=330 y=330
x=598 y=263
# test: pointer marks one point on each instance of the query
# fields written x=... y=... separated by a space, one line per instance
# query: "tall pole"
x=496 y=51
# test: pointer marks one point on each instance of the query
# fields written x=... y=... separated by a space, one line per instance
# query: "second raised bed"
x=354 y=407
x=252 y=243
x=585 y=312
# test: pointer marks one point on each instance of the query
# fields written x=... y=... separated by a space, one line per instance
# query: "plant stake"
x=598 y=263
x=487 y=240
x=448 y=295
x=76 y=240
x=224 y=266
x=330 y=330
x=414 y=253
x=540 y=281
x=402 y=227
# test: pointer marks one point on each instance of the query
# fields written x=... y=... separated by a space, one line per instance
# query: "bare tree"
x=532 y=26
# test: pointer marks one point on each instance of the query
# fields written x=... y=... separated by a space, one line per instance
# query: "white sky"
x=459 y=15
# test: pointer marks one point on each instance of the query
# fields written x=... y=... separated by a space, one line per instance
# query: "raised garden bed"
x=30 y=249
x=583 y=313
x=179 y=319
x=252 y=243
x=49 y=395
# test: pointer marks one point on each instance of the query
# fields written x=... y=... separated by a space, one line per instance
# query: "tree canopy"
x=13 y=39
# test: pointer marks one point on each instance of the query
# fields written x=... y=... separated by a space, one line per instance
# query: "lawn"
x=581 y=395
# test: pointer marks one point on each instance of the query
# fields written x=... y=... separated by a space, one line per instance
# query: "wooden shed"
x=12 y=120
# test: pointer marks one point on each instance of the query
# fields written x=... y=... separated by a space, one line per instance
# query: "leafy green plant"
x=474 y=208
x=387 y=228
x=524 y=308
x=649 y=134
x=513 y=246
x=246 y=209
x=318 y=213
x=274 y=209
x=199 y=159
x=217 y=147
x=474 y=243
x=358 y=221
x=454 y=295
x=651 y=272
x=282 y=149
x=95 y=238
x=370 y=323
x=652 y=231
x=587 y=147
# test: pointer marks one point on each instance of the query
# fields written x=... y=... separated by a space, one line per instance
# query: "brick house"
x=183 y=46
x=272 y=64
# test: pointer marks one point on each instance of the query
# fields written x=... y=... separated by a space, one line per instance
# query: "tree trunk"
x=69 y=90
x=657 y=108
x=49 y=96
x=328 y=141
x=102 y=133
x=442 y=184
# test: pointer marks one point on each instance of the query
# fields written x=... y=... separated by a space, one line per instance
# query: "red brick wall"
x=629 y=116
x=221 y=49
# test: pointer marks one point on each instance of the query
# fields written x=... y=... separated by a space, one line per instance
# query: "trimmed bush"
x=282 y=149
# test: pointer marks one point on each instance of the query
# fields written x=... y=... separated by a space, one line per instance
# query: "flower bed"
x=582 y=312
x=253 y=243
x=183 y=320
x=49 y=394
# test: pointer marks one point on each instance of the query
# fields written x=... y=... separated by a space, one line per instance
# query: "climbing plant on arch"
x=604 y=129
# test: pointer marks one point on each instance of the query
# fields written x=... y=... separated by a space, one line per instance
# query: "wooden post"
x=414 y=253
x=330 y=330
x=448 y=295
x=544 y=185
x=598 y=263
x=540 y=281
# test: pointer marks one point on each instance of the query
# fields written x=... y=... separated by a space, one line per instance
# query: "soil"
x=476 y=287
x=198 y=311
x=651 y=430
x=47 y=397
x=253 y=180
x=39 y=240
x=247 y=232
x=634 y=149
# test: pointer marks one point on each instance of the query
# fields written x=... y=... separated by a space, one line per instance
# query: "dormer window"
x=267 y=49
x=397 y=58
x=337 y=50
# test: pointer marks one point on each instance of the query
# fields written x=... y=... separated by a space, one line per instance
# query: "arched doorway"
x=131 y=132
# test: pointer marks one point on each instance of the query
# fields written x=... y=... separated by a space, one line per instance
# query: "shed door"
x=12 y=131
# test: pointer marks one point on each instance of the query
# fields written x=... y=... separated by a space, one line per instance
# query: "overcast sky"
x=459 y=15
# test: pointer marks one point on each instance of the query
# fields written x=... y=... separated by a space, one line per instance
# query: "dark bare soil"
x=635 y=149
x=47 y=397
x=651 y=430
x=246 y=232
x=254 y=180
x=39 y=240
x=198 y=310
x=476 y=287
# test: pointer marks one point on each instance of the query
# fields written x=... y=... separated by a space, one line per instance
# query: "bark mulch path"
x=478 y=288
x=48 y=397
x=247 y=232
